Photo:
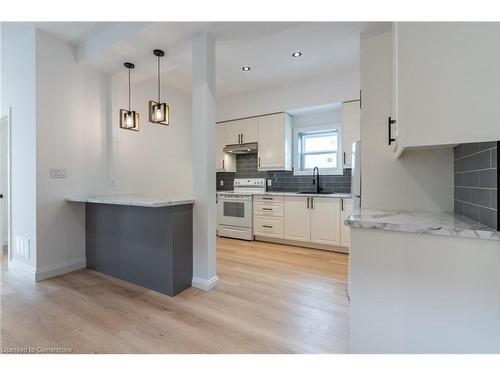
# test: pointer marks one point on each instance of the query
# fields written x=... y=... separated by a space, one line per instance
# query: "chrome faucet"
x=316 y=179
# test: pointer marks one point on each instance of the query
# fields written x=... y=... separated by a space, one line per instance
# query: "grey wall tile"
x=476 y=180
x=488 y=178
x=246 y=167
x=471 y=211
x=488 y=216
x=481 y=197
x=481 y=160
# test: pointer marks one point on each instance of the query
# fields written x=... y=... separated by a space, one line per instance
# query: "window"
x=317 y=147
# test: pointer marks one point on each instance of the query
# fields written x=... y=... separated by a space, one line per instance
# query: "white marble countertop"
x=333 y=195
x=132 y=200
x=444 y=224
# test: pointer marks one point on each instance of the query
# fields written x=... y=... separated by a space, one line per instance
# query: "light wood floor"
x=271 y=299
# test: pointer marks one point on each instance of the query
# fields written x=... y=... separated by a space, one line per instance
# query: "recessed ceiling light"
x=297 y=54
x=245 y=68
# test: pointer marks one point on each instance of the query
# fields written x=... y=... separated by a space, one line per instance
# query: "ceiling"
x=327 y=48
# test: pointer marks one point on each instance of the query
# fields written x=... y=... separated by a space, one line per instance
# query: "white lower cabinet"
x=268 y=216
x=297 y=219
x=345 y=231
x=325 y=220
x=316 y=222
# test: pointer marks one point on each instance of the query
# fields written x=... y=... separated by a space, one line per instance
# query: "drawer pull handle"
x=267 y=209
x=267 y=198
x=267 y=226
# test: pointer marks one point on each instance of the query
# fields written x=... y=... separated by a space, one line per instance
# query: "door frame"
x=6 y=117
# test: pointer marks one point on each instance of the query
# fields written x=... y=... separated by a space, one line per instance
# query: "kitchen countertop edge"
x=443 y=224
x=132 y=200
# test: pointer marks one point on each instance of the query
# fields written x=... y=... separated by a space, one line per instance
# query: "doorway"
x=5 y=182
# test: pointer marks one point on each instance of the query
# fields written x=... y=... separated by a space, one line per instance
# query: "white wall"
x=77 y=129
x=335 y=87
x=318 y=115
x=69 y=105
x=421 y=293
x=157 y=160
x=18 y=92
x=419 y=180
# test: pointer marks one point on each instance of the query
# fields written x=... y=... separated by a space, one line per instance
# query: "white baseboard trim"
x=23 y=269
x=205 y=284
x=60 y=269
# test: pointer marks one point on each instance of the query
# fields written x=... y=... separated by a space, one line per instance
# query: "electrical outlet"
x=221 y=182
x=269 y=182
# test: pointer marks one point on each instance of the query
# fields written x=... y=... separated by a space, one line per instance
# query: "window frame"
x=298 y=155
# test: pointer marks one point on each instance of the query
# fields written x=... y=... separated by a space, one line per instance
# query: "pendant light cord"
x=129 y=89
x=158 y=79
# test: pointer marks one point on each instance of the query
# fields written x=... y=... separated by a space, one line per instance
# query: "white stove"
x=234 y=209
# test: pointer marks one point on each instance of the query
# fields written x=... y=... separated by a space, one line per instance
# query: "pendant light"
x=158 y=111
x=129 y=120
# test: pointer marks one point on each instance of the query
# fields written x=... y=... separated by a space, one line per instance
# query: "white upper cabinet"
x=275 y=142
x=325 y=221
x=223 y=161
x=242 y=131
x=447 y=82
x=350 y=129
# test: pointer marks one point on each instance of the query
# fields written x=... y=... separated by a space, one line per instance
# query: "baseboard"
x=310 y=245
x=23 y=269
x=205 y=284
x=60 y=269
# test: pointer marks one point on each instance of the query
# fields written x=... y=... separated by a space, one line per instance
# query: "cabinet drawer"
x=268 y=209
x=270 y=227
x=268 y=198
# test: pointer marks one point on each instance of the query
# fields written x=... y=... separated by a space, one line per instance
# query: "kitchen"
x=279 y=192
x=354 y=166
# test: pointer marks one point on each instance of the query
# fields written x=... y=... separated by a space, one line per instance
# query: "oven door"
x=235 y=211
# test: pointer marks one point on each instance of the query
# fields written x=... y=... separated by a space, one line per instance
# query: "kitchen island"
x=423 y=282
x=144 y=240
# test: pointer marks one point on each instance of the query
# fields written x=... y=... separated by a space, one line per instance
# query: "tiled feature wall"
x=476 y=182
x=246 y=167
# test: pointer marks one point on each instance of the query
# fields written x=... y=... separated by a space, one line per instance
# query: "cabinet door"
x=447 y=78
x=242 y=131
x=249 y=130
x=345 y=230
x=220 y=143
x=233 y=132
x=350 y=129
x=272 y=141
x=325 y=221
x=297 y=219
x=223 y=162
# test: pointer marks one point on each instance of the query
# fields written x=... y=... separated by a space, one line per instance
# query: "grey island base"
x=150 y=245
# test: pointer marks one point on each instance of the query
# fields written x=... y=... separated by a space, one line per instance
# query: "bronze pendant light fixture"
x=159 y=112
x=129 y=120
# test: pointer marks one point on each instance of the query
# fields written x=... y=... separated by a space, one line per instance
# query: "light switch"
x=57 y=173
x=221 y=182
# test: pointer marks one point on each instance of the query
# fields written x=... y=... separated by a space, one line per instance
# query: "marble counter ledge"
x=132 y=200
x=444 y=224
x=332 y=195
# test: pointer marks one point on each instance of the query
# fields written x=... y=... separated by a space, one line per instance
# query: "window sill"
x=322 y=172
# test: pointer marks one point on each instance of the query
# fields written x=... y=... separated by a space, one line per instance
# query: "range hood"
x=243 y=148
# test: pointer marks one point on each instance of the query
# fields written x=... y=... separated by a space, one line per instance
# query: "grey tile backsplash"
x=476 y=182
x=246 y=167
